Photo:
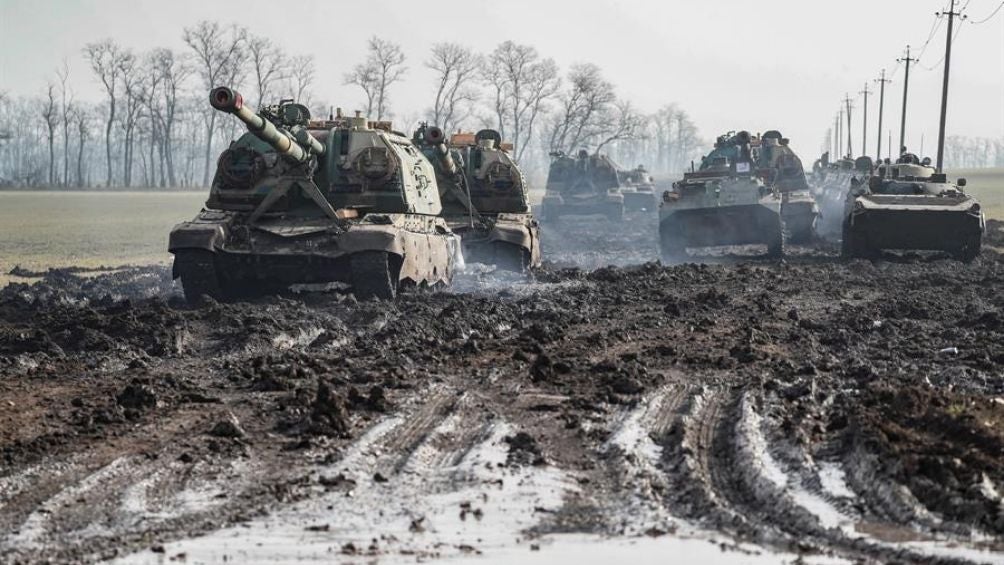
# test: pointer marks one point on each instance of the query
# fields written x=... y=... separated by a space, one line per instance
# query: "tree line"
x=153 y=127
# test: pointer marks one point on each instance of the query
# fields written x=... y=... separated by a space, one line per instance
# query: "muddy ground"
x=814 y=409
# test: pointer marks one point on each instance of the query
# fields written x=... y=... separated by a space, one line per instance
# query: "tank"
x=638 y=188
x=908 y=205
x=780 y=166
x=296 y=201
x=582 y=185
x=725 y=201
x=484 y=196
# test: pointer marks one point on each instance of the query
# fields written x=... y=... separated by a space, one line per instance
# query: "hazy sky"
x=778 y=64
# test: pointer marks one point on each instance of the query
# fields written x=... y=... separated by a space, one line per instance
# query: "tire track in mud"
x=428 y=482
x=721 y=476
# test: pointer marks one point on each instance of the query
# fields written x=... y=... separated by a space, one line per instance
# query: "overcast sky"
x=778 y=64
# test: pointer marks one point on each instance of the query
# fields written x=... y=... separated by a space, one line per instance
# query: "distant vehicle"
x=638 y=188
x=737 y=196
x=777 y=164
x=908 y=205
x=485 y=197
x=299 y=201
x=582 y=185
x=830 y=183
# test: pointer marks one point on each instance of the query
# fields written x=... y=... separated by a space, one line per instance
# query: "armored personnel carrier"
x=723 y=202
x=831 y=182
x=778 y=165
x=582 y=185
x=299 y=201
x=485 y=198
x=908 y=205
x=638 y=188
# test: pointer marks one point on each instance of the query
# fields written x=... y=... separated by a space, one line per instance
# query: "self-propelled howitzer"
x=296 y=201
x=485 y=197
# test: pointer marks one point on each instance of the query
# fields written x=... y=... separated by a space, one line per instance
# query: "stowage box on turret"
x=485 y=198
x=300 y=201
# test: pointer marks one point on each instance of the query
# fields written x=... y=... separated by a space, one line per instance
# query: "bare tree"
x=106 y=58
x=301 y=72
x=268 y=63
x=456 y=68
x=66 y=109
x=218 y=51
x=620 y=123
x=383 y=67
x=132 y=90
x=82 y=121
x=364 y=76
x=49 y=109
x=522 y=83
x=585 y=110
x=174 y=70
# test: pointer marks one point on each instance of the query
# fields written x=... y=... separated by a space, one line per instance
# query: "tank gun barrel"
x=437 y=139
x=297 y=144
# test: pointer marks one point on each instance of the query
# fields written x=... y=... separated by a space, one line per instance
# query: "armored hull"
x=509 y=241
x=611 y=205
x=719 y=211
x=952 y=223
x=222 y=254
x=298 y=202
x=639 y=199
x=907 y=206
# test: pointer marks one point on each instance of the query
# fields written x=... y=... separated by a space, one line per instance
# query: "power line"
x=938 y=64
x=992 y=14
x=934 y=29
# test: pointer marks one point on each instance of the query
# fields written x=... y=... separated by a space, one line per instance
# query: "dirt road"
x=734 y=411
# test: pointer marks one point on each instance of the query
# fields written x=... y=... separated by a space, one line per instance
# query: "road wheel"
x=509 y=257
x=372 y=276
x=197 y=271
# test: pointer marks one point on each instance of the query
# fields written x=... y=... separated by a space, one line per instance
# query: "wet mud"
x=813 y=408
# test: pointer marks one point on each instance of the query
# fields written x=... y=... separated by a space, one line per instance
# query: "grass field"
x=39 y=230
x=987 y=185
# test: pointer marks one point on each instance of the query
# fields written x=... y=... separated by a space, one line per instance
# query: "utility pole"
x=951 y=13
x=836 y=137
x=850 y=146
x=906 y=86
x=840 y=133
x=864 y=135
x=881 y=82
